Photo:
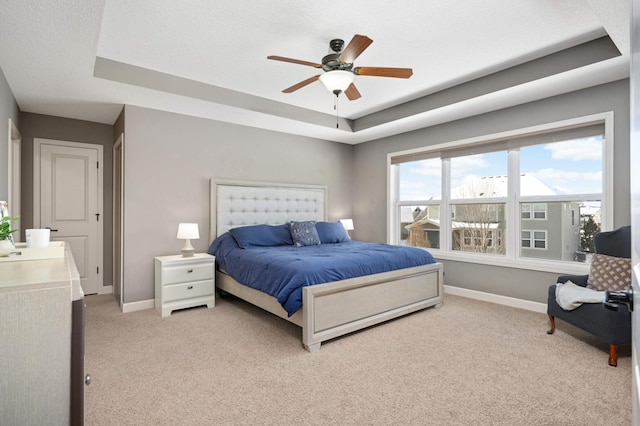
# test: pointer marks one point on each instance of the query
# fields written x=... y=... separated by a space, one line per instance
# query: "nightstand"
x=184 y=282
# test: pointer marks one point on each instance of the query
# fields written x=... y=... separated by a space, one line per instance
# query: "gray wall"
x=370 y=177
x=65 y=129
x=169 y=160
x=8 y=110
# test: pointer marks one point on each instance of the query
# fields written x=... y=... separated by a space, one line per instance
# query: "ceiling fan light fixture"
x=337 y=81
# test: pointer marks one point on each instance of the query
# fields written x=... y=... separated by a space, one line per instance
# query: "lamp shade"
x=347 y=223
x=188 y=231
x=337 y=81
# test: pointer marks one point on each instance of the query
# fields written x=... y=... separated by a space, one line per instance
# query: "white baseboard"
x=495 y=298
x=138 y=306
x=456 y=291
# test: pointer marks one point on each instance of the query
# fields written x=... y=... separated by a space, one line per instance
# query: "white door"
x=68 y=199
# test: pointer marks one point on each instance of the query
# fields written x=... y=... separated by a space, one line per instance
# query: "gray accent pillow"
x=304 y=233
x=609 y=273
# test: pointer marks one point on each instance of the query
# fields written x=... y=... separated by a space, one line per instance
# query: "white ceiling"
x=84 y=59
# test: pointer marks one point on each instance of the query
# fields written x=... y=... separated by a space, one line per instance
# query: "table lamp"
x=188 y=232
x=348 y=225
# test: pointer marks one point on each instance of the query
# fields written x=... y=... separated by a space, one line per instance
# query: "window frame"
x=534 y=211
x=532 y=239
x=512 y=234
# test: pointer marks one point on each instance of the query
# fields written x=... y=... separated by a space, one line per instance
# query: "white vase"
x=6 y=245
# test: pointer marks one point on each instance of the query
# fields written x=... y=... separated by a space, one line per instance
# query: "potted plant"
x=6 y=233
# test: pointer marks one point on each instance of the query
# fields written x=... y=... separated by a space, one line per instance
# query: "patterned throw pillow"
x=609 y=273
x=304 y=233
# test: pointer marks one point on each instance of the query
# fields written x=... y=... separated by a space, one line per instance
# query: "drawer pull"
x=189 y=271
x=190 y=287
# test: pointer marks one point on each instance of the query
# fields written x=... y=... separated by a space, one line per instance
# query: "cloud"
x=431 y=167
x=555 y=175
x=571 y=182
x=411 y=190
x=576 y=150
x=462 y=165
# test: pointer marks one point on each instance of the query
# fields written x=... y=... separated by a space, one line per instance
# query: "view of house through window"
x=537 y=196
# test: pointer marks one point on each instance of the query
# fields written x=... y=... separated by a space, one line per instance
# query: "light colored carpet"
x=467 y=363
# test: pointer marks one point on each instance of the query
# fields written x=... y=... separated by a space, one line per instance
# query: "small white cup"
x=37 y=238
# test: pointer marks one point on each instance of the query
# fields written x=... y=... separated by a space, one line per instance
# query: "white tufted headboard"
x=239 y=203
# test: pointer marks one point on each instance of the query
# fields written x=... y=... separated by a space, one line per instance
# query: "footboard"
x=335 y=309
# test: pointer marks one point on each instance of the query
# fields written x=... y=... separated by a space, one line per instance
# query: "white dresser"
x=36 y=299
x=184 y=282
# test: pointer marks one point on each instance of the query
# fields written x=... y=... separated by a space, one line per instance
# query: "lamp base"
x=187 y=250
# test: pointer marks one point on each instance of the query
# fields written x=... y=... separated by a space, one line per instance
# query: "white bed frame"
x=328 y=310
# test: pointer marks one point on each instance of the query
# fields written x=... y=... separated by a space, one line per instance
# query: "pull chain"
x=335 y=107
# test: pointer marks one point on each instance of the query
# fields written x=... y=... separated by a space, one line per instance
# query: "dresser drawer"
x=187 y=290
x=186 y=273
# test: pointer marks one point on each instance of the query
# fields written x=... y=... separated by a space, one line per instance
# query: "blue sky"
x=568 y=167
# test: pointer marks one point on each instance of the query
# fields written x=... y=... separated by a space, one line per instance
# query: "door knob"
x=52 y=230
x=613 y=299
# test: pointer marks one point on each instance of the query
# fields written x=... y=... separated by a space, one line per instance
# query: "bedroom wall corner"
x=8 y=110
x=50 y=127
x=370 y=176
x=170 y=160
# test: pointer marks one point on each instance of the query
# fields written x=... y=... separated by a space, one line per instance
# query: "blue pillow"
x=332 y=232
x=261 y=236
x=304 y=233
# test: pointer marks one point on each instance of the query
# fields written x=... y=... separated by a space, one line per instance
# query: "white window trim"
x=533 y=210
x=545 y=239
x=512 y=237
x=533 y=239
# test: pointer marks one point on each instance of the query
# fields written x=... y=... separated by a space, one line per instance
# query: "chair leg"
x=613 y=355
x=552 y=320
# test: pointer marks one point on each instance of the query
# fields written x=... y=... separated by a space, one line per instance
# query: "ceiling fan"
x=339 y=72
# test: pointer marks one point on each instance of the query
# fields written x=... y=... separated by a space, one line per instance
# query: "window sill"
x=551 y=266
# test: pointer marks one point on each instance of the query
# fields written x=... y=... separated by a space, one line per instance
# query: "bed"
x=331 y=309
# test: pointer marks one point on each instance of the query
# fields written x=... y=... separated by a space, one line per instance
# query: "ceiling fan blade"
x=355 y=47
x=352 y=93
x=384 y=72
x=301 y=84
x=294 y=61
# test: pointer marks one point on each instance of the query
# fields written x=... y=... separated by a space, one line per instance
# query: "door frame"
x=14 y=155
x=118 y=219
x=37 y=143
x=634 y=156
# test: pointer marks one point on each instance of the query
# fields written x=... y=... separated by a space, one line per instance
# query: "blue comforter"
x=282 y=271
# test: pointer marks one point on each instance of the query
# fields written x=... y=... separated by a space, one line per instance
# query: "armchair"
x=613 y=327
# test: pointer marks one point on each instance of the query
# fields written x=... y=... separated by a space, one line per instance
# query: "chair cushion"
x=609 y=273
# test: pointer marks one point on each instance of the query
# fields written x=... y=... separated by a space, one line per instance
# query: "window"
x=540 y=211
x=534 y=211
x=534 y=239
x=543 y=185
x=419 y=210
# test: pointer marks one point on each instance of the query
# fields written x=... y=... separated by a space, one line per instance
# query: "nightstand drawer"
x=187 y=290
x=184 y=273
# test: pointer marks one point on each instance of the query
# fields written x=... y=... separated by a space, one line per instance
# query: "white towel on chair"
x=570 y=296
